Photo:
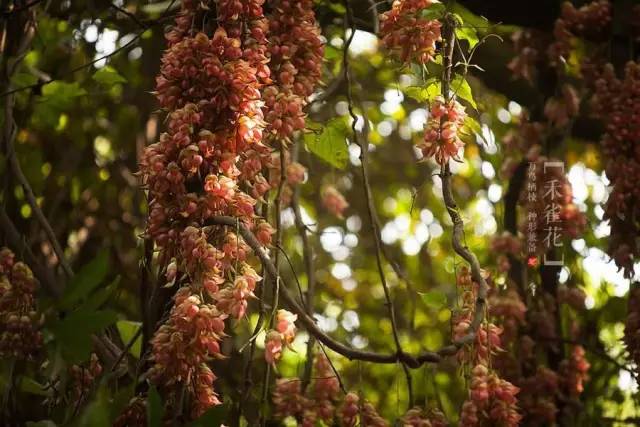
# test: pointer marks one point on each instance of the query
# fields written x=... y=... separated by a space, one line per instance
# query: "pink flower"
x=334 y=201
x=273 y=347
x=285 y=325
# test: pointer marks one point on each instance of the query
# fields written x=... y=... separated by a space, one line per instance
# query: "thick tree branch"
x=309 y=323
x=457 y=238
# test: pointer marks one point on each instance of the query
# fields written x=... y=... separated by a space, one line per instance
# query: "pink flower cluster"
x=184 y=344
x=282 y=336
x=417 y=417
x=354 y=412
x=491 y=398
x=20 y=323
x=589 y=21
x=82 y=378
x=134 y=415
x=319 y=401
x=296 y=52
x=616 y=102
x=224 y=82
x=409 y=35
x=333 y=201
x=442 y=131
x=575 y=370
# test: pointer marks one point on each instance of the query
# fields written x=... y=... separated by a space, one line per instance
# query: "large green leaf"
x=155 y=410
x=61 y=95
x=73 y=332
x=330 y=144
x=434 y=299
x=461 y=88
x=99 y=297
x=469 y=34
x=85 y=281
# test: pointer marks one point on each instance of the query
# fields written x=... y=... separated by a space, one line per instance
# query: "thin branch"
x=10 y=131
x=130 y=15
x=125 y=46
x=307 y=255
x=369 y=198
x=276 y=276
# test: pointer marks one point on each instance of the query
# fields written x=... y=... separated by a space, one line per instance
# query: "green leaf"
x=331 y=52
x=31 y=386
x=23 y=80
x=473 y=126
x=435 y=11
x=61 y=95
x=99 y=297
x=127 y=330
x=108 y=76
x=155 y=410
x=214 y=417
x=434 y=299
x=86 y=280
x=468 y=18
x=425 y=93
x=461 y=88
x=469 y=34
x=330 y=145
x=96 y=413
x=73 y=333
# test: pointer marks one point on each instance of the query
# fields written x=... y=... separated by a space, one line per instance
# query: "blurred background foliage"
x=82 y=128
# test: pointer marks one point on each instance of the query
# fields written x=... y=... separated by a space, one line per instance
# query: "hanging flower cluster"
x=134 y=415
x=574 y=371
x=616 y=101
x=82 y=378
x=353 y=413
x=228 y=84
x=319 y=401
x=417 y=417
x=20 y=323
x=491 y=398
x=528 y=44
x=333 y=201
x=208 y=163
x=409 y=35
x=560 y=110
x=296 y=53
x=282 y=336
x=442 y=131
x=589 y=21
x=543 y=389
